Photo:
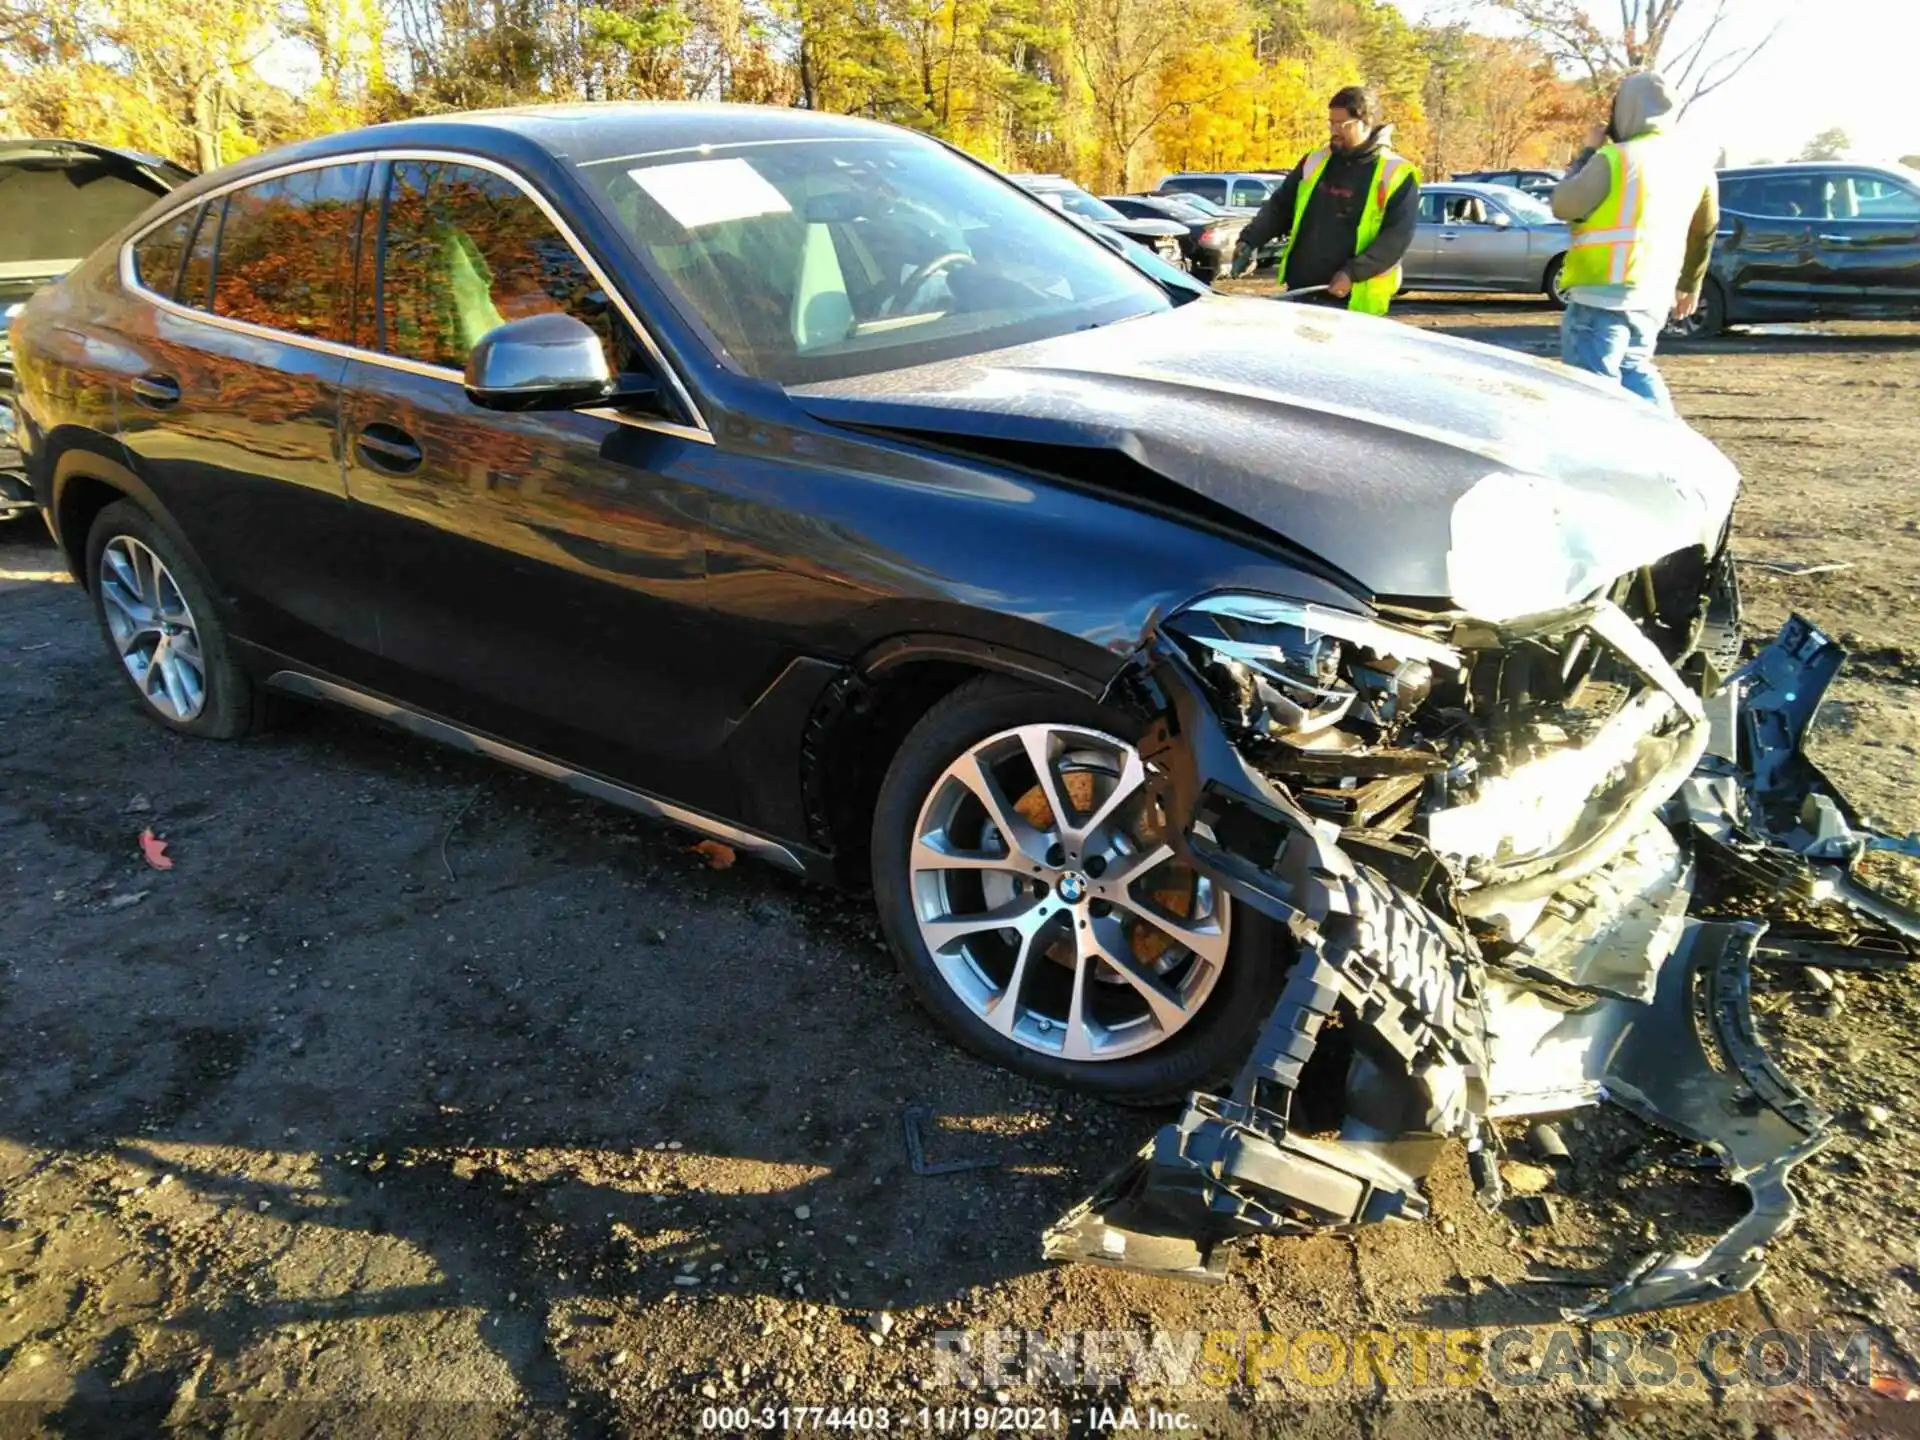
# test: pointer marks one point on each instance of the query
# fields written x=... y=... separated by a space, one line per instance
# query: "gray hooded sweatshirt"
x=1682 y=210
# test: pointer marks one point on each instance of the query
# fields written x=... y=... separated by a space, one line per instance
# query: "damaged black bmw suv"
x=1214 y=693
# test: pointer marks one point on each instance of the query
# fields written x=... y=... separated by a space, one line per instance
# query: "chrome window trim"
x=129 y=277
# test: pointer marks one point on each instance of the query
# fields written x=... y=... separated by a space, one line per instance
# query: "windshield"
x=845 y=256
x=1202 y=204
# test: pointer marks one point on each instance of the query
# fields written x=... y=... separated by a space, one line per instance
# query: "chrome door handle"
x=1837 y=239
x=389 y=448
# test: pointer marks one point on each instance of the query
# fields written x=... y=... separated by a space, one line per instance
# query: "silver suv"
x=1235 y=189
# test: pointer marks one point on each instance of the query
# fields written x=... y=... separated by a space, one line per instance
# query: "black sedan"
x=1176 y=669
x=1163 y=236
x=1209 y=239
x=1813 y=241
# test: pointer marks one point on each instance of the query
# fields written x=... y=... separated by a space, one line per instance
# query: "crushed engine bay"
x=1480 y=843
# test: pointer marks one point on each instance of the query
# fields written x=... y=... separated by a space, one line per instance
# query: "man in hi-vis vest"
x=1347 y=210
x=1643 y=211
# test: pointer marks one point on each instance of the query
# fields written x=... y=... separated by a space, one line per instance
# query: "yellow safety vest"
x=1609 y=244
x=1390 y=172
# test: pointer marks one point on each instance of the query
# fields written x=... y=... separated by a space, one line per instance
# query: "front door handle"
x=389 y=448
x=156 y=392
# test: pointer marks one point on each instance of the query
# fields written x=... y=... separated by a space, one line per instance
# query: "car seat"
x=822 y=313
x=467 y=298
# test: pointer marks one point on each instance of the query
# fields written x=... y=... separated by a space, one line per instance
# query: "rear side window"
x=158 y=253
x=196 y=275
x=286 y=252
x=466 y=250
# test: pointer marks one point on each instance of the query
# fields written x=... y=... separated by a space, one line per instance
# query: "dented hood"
x=1351 y=437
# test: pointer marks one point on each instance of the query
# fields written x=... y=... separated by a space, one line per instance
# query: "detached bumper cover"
x=1650 y=1012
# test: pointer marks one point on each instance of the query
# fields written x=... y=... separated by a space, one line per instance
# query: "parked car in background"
x=1486 y=237
x=1534 y=182
x=1813 y=240
x=58 y=200
x=1237 y=190
x=1211 y=233
x=1158 y=233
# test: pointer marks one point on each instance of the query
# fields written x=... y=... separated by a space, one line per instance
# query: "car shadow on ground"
x=412 y=1032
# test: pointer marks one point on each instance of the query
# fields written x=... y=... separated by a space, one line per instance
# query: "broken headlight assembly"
x=1305 y=758
x=1525 y=545
x=1307 y=675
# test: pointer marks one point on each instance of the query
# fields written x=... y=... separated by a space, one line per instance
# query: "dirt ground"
x=422 y=1096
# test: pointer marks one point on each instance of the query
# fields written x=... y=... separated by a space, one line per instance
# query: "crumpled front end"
x=1481 y=841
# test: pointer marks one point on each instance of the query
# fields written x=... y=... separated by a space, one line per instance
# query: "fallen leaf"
x=719 y=856
x=1894 y=1388
x=154 y=849
x=1524 y=1179
x=130 y=897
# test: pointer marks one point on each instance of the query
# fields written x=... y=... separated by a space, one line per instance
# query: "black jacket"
x=1330 y=230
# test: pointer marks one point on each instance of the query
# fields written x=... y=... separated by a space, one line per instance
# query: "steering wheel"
x=911 y=285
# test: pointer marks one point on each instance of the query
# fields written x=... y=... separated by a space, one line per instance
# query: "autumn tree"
x=1493 y=102
x=114 y=69
x=1124 y=54
x=1687 y=40
x=1104 y=90
x=1829 y=144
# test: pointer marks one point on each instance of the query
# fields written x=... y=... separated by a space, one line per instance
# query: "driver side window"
x=465 y=250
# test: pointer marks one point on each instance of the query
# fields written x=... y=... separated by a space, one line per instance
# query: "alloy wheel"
x=153 y=628
x=1050 y=904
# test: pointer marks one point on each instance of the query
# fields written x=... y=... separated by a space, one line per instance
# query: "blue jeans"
x=1618 y=344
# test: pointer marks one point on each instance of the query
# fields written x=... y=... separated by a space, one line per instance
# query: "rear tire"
x=1709 y=318
x=1164 y=1064
x=167 y=638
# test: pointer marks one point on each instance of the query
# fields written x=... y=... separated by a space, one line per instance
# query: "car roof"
x=1220 y=175
x=592 y=133
x=1816 y=167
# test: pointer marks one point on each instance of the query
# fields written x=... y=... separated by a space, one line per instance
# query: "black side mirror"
x=544 y=362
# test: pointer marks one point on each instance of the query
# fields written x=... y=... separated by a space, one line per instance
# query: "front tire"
x=157 y=615
x=1035 y=911
x=1556 y=292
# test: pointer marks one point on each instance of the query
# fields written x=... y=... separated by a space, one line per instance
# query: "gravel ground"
x=422 y=1096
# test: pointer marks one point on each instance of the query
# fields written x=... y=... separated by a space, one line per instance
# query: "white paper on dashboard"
x=707 y=192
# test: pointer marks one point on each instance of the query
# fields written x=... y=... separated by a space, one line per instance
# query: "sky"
x=1845 y=63
x=1848 y=63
